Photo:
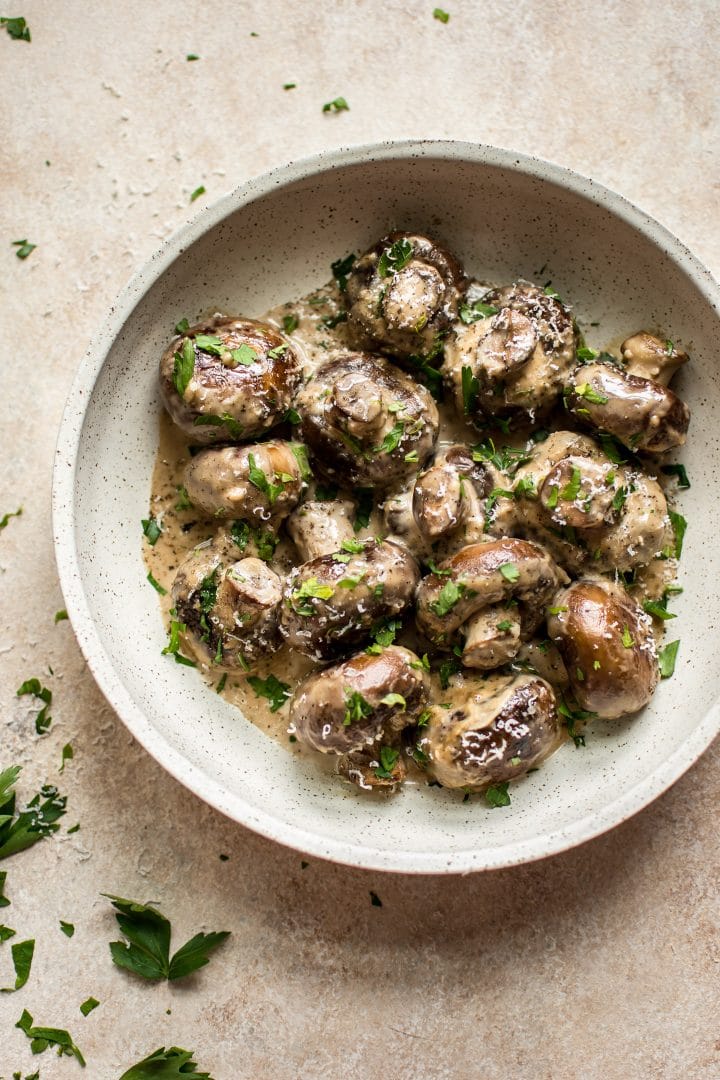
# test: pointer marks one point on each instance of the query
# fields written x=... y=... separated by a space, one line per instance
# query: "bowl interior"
x=505 y=218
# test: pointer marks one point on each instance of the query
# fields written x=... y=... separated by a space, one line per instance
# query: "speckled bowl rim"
x=275 y=827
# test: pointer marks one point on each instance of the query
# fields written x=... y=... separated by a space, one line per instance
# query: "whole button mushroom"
x=641 y=413
x=442 y=510
x=331 y=603
x=494 y=731
x=513 y=359
x=228 y=379
x=355 y=705
x=257 y=483
x=607 y=645
x=650 y=358
x=228 y=610
x=365 y=422
x=586 y=509
x=403 y=294
x=493 y=594
x=321 y=527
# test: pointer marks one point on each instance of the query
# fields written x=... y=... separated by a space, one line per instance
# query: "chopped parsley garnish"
x=497 y=795
x=207 y=592
x=612 y=449
x=171 y=1064
x=656 y=608
x=173 y=646
x=471 y=313
x=337 y=105
x=259 y=480
x=388 y=761
x=67 y=928
x=507 y=458
x=505 y=625
x=88 y=1005
x=356 y=708
x=364 y=497
x=496 y=494
x=350 y=583
x=572 y=489
x=585 y=355
x=290 y=323
x=667 y=658
x=509 y=571
x=331 y=321
x=245 y=356
x=276 y=692
x=4 y=902
x=11 y=514
x=197 y=193
x=22 y=957
x=392 y=440
x=221 y=685
x=679 y=471
x=16 y=27
x=155 y=584
x=34 y=687
x=395 y=258
x=309 y=589
x=240 y=533
x=447 y=669
x=184 y=367
x=586 y=391
x=354 y=547
x=23 y=248
x=448 y=598
x=67 y=755
x=679 y=525
x=394 y=699
x=556 y=610
x=627 y=638
x=152 y=530
x=552 y=499
x=278 y=351
x=572 y=716
x=525 y=487
x=6 y=932
x=619 y=498
x=340 y=270
x=440 y=15
x=43 y=1037
x=301 y=456
x=147 y=949
x=182 y=327
x=470 y=390
x=235 y=430
x=183 y=501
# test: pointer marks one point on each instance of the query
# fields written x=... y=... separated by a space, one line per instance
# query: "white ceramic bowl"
x=505 y=216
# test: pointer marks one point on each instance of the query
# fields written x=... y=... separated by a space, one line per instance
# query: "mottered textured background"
x=600 y=963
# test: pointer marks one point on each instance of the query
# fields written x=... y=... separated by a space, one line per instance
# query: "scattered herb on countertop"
x=23 y=248
x=11 y=514
x=67 y=755
x=16 y=27
x=38 y=820
x=41 y=693
x=440 y=15
x=375 y=899
x=147 y=950
x=171 y=1064
x=192 y=56
x=197 y=193
x=4 y=902
x=88 y=1005
x=22 y=958
x=61 y=615
x=337 y=105
x=67 y=928
x=43 y=1037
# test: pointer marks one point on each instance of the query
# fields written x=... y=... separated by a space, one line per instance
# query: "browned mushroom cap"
x=365 y=422
x=330 y=604
x=228 y=379
x=514 y=358
x=495 y=730
x=642 y=414
x=607 y=644
x=403 y=293
x=480 y=576
x=579 y=492
x=443 y=509
x=650 y=358
x=257 y=483
x=320 y=527
x=360 y=703
x=229 y=610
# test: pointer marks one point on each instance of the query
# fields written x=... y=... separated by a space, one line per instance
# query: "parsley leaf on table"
x=171 y=1064
x=22 y=957
x=39 y=819
x=42 y=1037
x=147 y=950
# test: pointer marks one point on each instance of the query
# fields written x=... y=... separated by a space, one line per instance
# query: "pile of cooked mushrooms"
x=512 y=576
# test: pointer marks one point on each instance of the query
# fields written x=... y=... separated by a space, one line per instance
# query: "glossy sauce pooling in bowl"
x=413 y=523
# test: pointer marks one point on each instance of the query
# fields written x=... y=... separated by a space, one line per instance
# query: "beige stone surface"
x=601 y=963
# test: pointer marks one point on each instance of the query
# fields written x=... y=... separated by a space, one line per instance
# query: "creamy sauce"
x=183 y=529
